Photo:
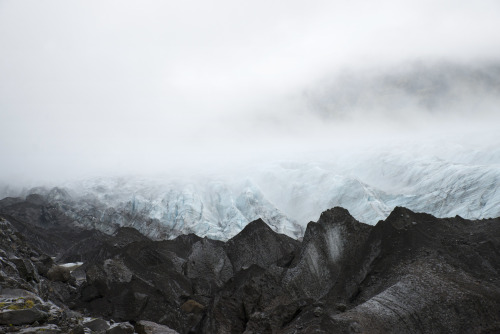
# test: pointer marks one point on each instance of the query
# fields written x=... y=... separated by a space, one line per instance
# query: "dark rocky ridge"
x=34 y=293
x=412 y=273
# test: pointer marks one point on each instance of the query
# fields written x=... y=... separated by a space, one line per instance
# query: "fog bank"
x=117 y=88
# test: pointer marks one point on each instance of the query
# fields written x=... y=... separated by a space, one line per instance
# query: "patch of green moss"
x=26 y=304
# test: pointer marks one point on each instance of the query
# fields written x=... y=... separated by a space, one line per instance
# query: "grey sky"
x=144 y=86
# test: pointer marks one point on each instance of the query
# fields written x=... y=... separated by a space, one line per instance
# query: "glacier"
x=288 y=194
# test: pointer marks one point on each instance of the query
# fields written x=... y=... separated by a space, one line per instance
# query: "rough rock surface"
x=148 y=327
x=36 y=294
x=258 y=244
x=412 y=273
x=328 y=248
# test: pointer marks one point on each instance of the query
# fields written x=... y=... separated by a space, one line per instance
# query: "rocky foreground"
x=411 y=273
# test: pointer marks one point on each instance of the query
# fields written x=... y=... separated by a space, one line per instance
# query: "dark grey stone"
x=121 y=328
x=22 y=317
x=96 y=325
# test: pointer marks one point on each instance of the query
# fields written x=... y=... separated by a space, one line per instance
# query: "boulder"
x=96 y=325
x=192 y=306
x=43 y=263
x=121 y=328
x=149 y=327
x=22 y=317
x=47 y=329
x=79 y=329
x=59 y=274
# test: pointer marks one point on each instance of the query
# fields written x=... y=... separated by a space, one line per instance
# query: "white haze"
x=91 y=88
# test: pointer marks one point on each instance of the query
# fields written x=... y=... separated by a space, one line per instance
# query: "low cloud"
x=118 y=87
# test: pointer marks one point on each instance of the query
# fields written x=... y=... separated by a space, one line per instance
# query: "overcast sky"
x=89 y=87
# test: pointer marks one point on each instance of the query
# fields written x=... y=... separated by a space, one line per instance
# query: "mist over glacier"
x=446 y=181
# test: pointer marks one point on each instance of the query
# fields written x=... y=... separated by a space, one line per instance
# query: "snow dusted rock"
x=328 y=246
x=253 y=204
x=121 y=328
x=96 y=324
x=415 y=273
x=47 y=329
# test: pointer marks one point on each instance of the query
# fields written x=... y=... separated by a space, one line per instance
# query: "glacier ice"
x=289 y=194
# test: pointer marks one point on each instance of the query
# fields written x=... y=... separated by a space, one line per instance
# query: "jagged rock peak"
x=339 y=217
x=255 y=225
x=126 y=235
x=258 y=244
x=10 y=201
x=402 y=217
x=336 y=215
x=399 y=211
x=35 y=199
x=187 y=239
